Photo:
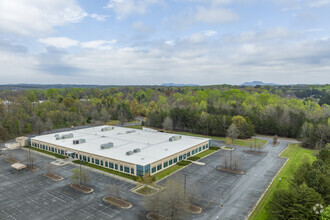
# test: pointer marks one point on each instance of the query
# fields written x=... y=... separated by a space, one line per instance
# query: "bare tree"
x=80 y=175
x=113 y=190
x=226 y=159
x=275 y=140
x=30 y=159
x=168 y=123
x=322 y=134
x=236 y=161
x=50 y=169
x=232 y=132
x=170 y=202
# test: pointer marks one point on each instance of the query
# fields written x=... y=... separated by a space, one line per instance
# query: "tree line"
x=207 y=110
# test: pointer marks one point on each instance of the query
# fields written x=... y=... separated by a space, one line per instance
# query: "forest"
x=288 y=111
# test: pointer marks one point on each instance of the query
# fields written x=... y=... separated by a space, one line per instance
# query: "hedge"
x=46 y=152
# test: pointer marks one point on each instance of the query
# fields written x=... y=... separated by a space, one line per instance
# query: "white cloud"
x=36 y=17
x=141 y=27
x=98 y=17
x=59 y=42
x=170 y=43
x=318 y=3
x=125 y=8
x=215 y=15
x=210 y=33
x=98 y=44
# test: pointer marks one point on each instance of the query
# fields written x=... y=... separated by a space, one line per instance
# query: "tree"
x=307 y=136
x=295 y=203
x=169 y=202
x=232 y=132
x=30 y=159
x=275 y=140
x=325 y=215
x=50 y=169
x=80 y=175
x=113 y=190
x=168 y=124
x=322 y=134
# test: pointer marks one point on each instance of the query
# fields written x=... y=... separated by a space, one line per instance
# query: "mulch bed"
x=155 y=216
x=255 y=152
x=11 y=160
x=33 y=169
x=230 y=170
x=81 y=188
x=53 y=177
x=120 y=203
x=194 y=209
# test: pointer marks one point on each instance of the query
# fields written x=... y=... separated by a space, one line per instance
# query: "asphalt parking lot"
x=30 y=195
x=237 y=194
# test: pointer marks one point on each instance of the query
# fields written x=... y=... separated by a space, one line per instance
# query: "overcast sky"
x=125 y=42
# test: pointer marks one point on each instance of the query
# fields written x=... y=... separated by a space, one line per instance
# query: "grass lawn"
x=167 y=172
x=46 y=152
x=238 y=142
x=202 y=154
x=146 y=190
x=295 y=154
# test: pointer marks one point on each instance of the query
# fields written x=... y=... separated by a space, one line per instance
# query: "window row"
x=86 y=158
x=175 y=160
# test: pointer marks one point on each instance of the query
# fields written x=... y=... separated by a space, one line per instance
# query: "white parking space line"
x=8 y=214
x=56 y=197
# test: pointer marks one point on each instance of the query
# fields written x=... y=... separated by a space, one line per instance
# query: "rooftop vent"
x=79 y=141
x=107 y=128
x=106 y=145
x=137 y=150
x=129 y=152
x=175 y=138
x=64 y=136
x=130 y=131
x=149 y=130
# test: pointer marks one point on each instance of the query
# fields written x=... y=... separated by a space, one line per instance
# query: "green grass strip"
x=115 y=172
x=296 y=154
x=46 y=152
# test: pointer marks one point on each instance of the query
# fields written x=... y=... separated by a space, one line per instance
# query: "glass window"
x=92 y=160
x=159 y=167
x=200 y=149
x=188 y=154
x=116 y=166
x=101 y=162
x=111 y=165
x=170 y=162
x=184 y=156
x=175 y=160
x=88 y=159
x=79 y=157
x=180 y=158
x=204 y=147
x=97 y=161
x=165 y=164
x=126 y=169
x=153 y=169
x=121 y=167
x=207 y=146
x=132 y=171
x=106 y=164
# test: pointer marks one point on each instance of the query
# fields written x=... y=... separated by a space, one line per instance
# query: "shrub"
x=183 y=163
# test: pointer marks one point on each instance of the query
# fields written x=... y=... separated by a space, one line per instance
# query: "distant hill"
x=173 y=84
x=258 y=83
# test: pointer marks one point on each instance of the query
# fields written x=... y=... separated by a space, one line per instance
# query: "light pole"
x=184 y=186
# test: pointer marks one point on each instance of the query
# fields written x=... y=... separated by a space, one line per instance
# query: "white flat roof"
x=154 y=146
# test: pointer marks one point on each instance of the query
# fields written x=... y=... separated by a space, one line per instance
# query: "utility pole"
x=80 y=173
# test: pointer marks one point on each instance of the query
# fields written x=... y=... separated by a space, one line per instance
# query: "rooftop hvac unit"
x=175 y=138
x=130 y=131
x=108 y=128
x=79 y=141
x=137 y=150
x=106 y=145
x=64 y=136
x=149 y=130
x=129 y=152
